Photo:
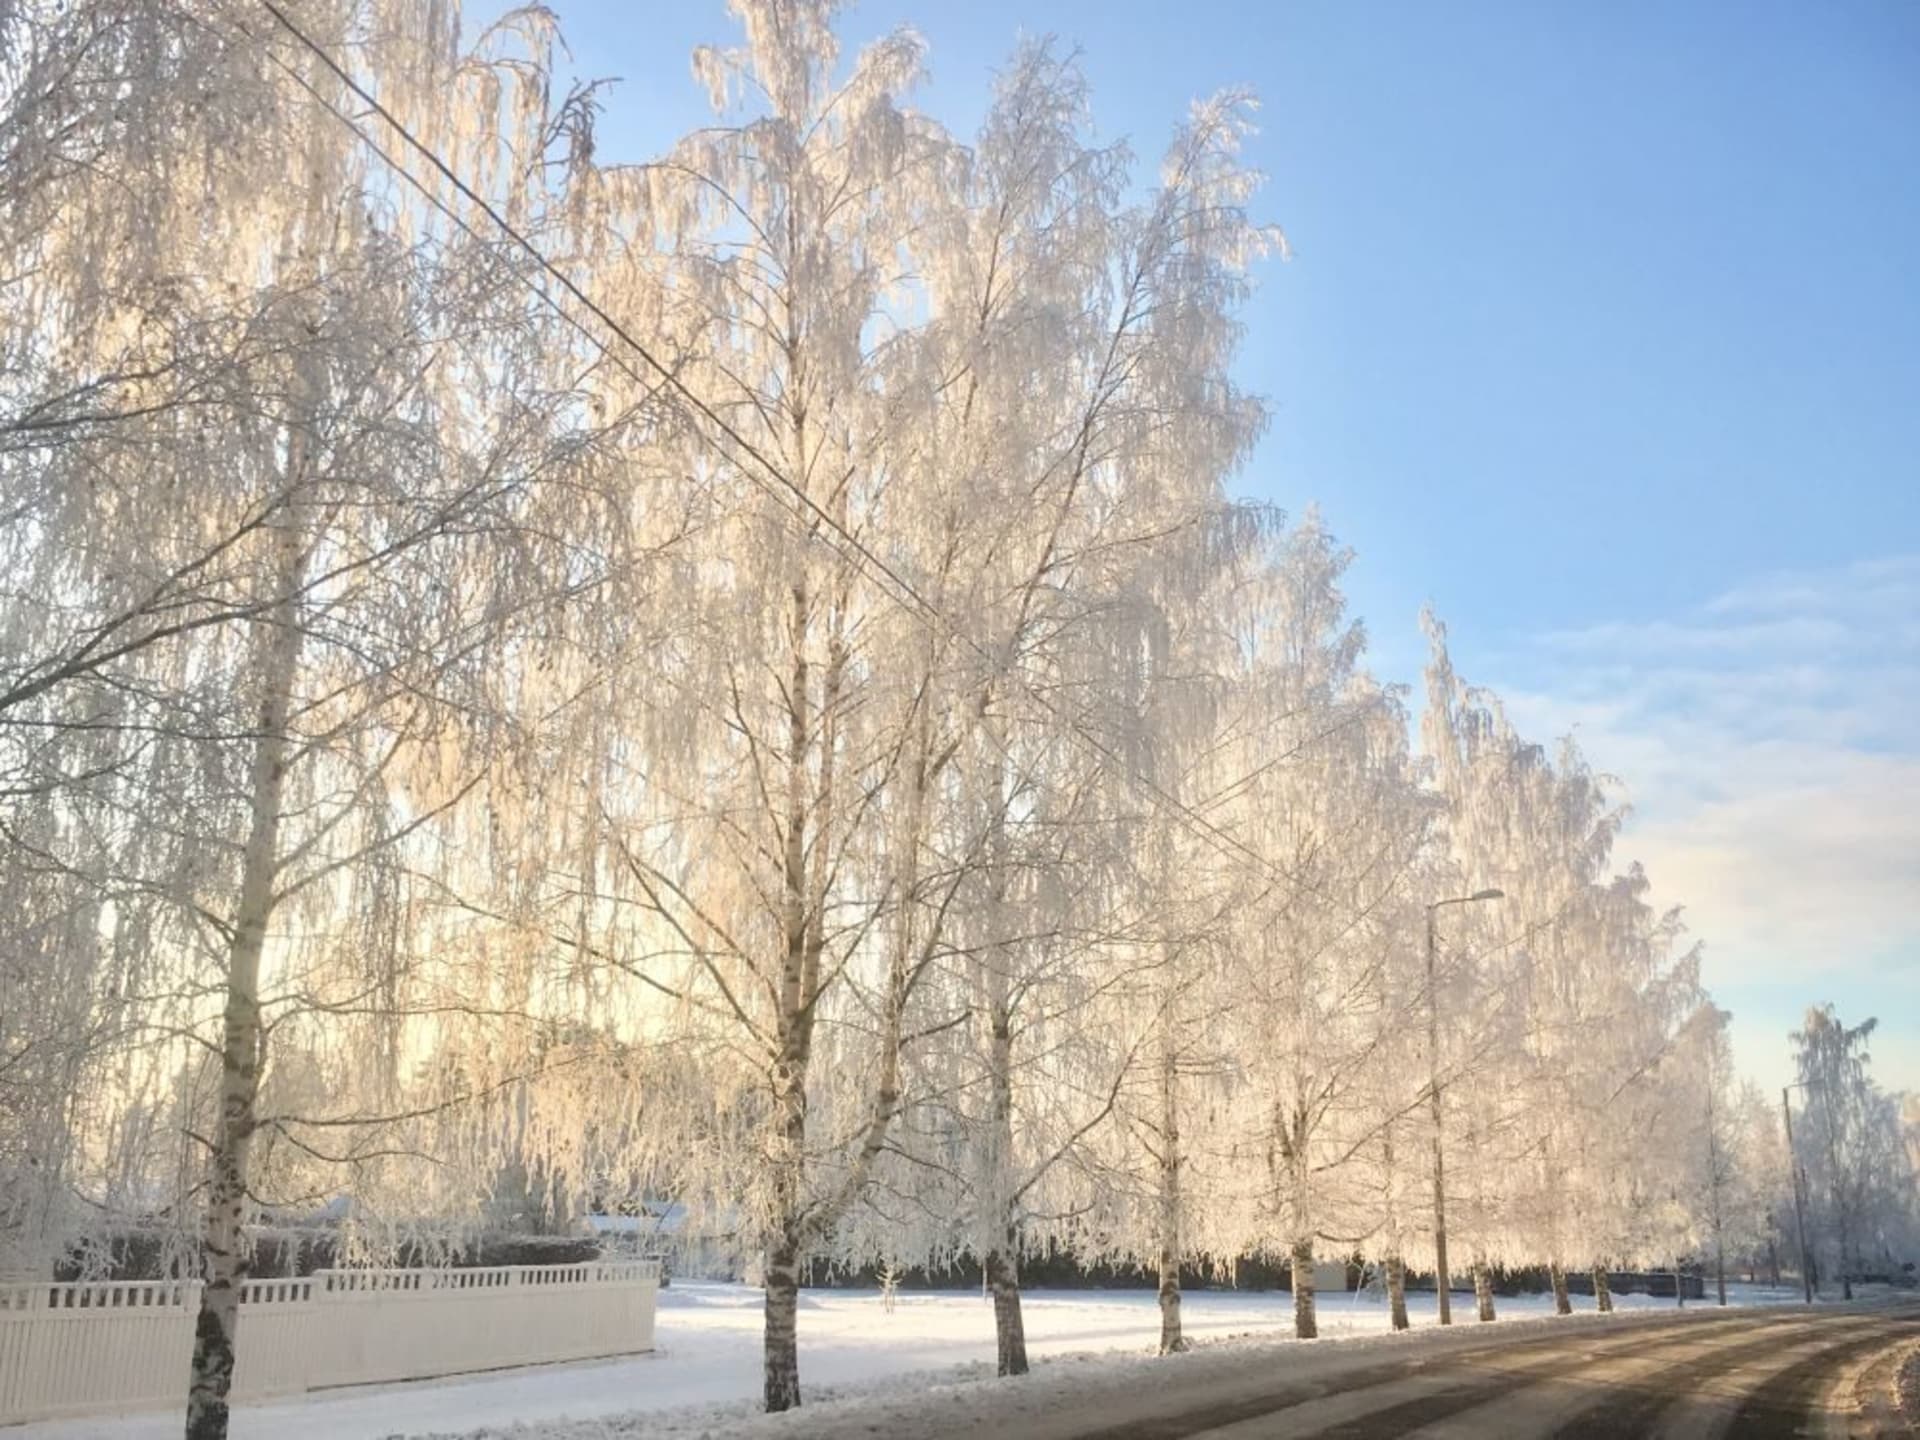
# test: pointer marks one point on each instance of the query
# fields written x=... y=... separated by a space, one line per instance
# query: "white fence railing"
x=71 y=1349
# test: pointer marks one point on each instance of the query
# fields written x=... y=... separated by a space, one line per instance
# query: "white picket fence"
x=72 y=1349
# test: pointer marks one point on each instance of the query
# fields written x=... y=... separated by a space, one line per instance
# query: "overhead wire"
x=772 y=481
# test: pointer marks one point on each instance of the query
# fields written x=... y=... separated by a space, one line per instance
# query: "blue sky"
x=1602 y=333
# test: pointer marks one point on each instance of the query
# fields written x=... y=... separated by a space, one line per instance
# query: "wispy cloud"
x=1770 y=745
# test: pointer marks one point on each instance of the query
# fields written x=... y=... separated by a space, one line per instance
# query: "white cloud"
x=1770 y=745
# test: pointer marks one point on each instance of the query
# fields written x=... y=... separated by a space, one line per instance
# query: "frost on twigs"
x=791 y=742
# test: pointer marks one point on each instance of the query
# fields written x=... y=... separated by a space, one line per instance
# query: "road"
x=1698 y=1374
x=1753 y=1375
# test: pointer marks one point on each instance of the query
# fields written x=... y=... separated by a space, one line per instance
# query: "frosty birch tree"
x=1569 y=833
x=1852 y=1140
x=1588 y=957
x=1720 y=1189
x=788 y=231
x=114 y=367
x=850 y=767
x=1632 y=1114
x=1124 y=460
x=800 y=940
x=1488 y=780
x=1327 y=793
x=291 y=651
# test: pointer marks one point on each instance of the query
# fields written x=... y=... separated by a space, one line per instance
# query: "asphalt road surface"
x=1752 y=1375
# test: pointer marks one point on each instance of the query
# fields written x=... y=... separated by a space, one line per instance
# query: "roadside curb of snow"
x=893 y=1405
x=1906 y=1391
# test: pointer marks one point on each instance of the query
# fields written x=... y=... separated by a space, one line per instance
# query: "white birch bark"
x=277 y=646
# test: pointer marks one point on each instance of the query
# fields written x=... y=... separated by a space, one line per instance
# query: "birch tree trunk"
x=783 y=1245
x=1483 y=1289
x=1397 y=1290
x=781 y=1344
x=1305 y=1325
x=1396 y=1264
x=1602 y=1289
x=1562 y=1305
x=1289 y=1176
x=781 y=1360
x=1009 y=1329
x=1001 y=1267
x=277 y=639
x=796 y=1223
x=1171 y=1337
x=1716 y=1193
x=1002 y=1258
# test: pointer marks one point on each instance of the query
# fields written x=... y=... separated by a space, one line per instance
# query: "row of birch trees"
x=741 y=678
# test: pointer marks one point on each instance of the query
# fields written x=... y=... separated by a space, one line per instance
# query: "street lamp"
x=1442 y=1281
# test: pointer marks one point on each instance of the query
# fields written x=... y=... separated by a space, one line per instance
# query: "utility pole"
x=1442 y=1281
x=1799 y=1208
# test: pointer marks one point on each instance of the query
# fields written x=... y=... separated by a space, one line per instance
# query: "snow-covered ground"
x=707 y=1367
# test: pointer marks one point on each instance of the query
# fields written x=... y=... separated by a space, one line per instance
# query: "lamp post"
x=1799 y=1207
x=1441 y=1280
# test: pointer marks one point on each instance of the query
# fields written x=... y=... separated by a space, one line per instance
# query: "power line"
x=901 y=590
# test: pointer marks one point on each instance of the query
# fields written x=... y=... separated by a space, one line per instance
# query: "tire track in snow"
x=1598 y=1376
x=1780 y=1407
x=1424 y=1371
x=1620 y=1395
x=1709 y=1410
x=1640 y=1409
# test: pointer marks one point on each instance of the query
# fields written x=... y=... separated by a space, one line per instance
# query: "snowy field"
x=706 y=1372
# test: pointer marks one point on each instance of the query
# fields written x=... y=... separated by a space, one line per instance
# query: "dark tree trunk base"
x=1009 y=1327
x=782 y=1341
x=1172 y=1340
x=212 y=1378
x=1305 y=1325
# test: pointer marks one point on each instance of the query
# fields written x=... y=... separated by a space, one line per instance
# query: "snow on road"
x=706 y=1371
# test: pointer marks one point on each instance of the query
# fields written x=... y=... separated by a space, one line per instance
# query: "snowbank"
x=1071 y=1383
x=860 y=1367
